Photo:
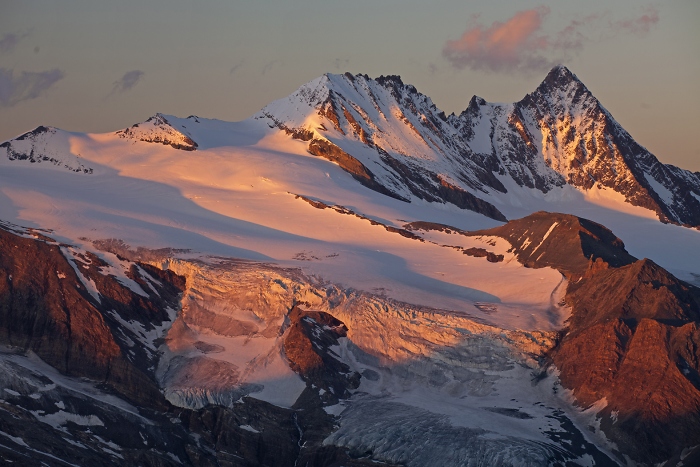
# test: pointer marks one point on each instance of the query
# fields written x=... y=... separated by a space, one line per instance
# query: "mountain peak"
x=393 y=79
x=158 y=129
x=560 y=78
x=561 y=75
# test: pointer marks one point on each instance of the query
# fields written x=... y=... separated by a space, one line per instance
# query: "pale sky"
x=94 y=66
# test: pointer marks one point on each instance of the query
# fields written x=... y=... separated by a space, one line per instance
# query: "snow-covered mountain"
x=45 y=145
x=402 y=145
x=332 y=282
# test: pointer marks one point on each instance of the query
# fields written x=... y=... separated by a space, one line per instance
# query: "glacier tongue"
x=427 y=374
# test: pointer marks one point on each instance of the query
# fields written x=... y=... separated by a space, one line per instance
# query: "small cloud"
x=572 y=38
x=339 y=62
x=645 y=105
x=268 y=66
x=641 y=25
x=10 y=40
x=513 y=45
x=520 y=44
x=235 y=67
x=27 y=85
x=128 y=81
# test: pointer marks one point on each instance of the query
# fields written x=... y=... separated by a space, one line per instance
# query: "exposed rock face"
x=580 y=140
x=50 y=419
x=46 y=306
x=641 y=290
x=571 y=244
x=308 y=347
x=158 y=129
x=255 y=434
x=637 y=325
x=359 y=172
x=559 y=134
x=632 y=339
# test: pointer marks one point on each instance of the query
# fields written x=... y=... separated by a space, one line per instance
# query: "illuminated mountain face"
x=560 y=134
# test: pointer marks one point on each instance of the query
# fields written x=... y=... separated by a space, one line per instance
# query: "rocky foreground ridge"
x=632 y=338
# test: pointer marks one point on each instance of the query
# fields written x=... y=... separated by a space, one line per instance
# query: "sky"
x=97 y=66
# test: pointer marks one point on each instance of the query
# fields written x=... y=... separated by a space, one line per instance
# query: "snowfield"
x=235 y=197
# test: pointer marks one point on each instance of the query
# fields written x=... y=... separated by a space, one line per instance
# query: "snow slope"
x=238 y=201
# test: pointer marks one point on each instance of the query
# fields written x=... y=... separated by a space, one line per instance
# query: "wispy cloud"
x=520 y=44
x=640 y=25
x=236 y=67
x=268 y=66
x=128 y=81
x=9 y=41
x=25 y=85
x=512 y=45
x=572 y=37
x=339 y=63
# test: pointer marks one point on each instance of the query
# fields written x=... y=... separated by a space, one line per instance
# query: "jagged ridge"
x=559 y=134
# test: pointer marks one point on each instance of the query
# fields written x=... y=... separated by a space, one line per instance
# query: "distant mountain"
x=46 y=146
x=158 y=129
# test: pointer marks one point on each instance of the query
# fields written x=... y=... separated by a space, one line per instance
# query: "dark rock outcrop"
x=571 y=244
x=483 y=253
x=343 y=210
x=328 y=150
x=308 y=348
x=46 y=308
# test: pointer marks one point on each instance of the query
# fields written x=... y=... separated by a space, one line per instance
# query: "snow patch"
x=664 y=193
x=15 y=439
x=545 y=237
x=88 y=283
x=60 y=418
x=249 y=428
